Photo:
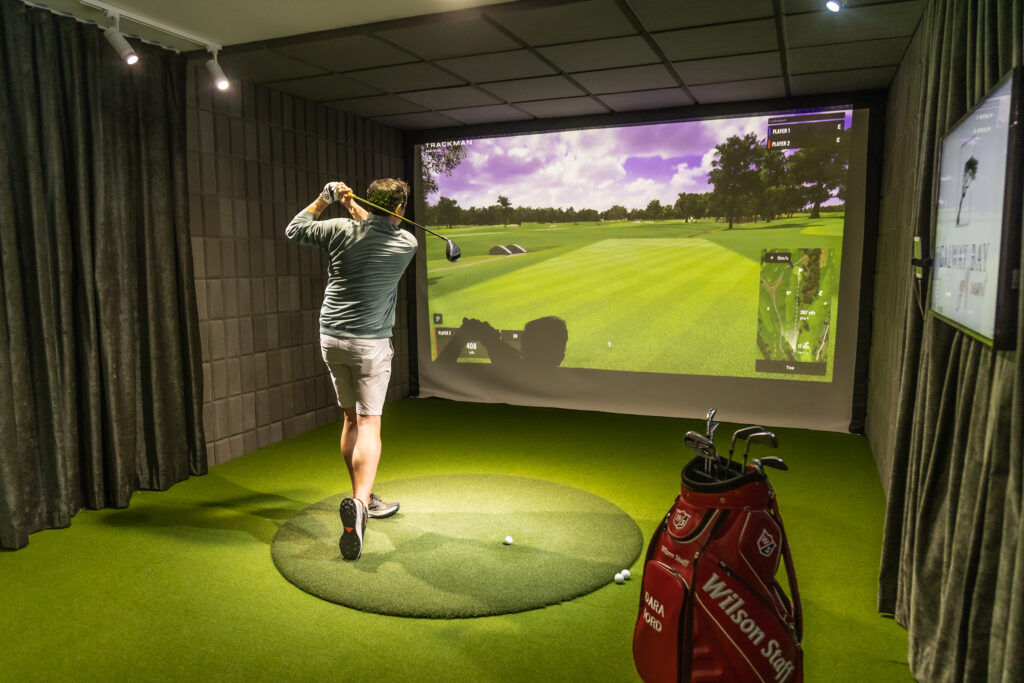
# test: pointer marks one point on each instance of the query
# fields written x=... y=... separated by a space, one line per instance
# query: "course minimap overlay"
x=794 y=321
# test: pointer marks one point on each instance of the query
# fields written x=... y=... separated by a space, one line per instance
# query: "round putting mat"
x=442 y=556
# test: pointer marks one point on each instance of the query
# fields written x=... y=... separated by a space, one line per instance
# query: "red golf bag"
x=711 y=608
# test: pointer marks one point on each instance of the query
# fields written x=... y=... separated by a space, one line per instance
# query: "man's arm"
x=305 y=227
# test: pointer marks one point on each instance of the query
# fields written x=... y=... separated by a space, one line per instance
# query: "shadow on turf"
x=479 y=577
x=255 y=513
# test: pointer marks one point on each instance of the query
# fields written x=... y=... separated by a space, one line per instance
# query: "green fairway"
x=666 y=296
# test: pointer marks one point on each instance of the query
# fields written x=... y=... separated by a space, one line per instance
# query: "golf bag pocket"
x=742 y=632
x=656 y=644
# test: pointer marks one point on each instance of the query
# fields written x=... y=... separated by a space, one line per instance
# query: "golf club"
x=709 y=431
x=451 y=250
x=742 y=434
x=702 y=446
x=767 y=438
x=777 y=463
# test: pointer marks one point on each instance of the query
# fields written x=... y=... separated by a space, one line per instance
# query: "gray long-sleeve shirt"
x=367 y=261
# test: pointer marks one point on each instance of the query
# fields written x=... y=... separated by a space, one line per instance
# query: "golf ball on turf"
x=618 y=578
x=508 y=540
x=609 y=345
x=625 y=574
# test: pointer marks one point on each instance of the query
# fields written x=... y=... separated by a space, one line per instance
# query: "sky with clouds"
x=594 y=168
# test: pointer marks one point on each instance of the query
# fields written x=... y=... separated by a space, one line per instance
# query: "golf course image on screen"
x=693 y=248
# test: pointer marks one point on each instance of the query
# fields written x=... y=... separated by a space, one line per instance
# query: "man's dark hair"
x=389 y=193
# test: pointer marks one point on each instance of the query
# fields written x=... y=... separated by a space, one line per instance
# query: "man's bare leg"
x=349 y=434
x=362 y=432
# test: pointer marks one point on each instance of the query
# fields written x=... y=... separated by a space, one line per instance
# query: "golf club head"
x=711 y=430
x=704 y=447
x=742 y=434
x=777 y=463
x=761 y=463
x=763 y=437
x=708 y=419
x=698 y=441
x=452 y=251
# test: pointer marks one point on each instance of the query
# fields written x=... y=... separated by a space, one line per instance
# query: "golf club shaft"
x=367 y=201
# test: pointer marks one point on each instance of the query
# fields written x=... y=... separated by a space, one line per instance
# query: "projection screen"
x=657 y=269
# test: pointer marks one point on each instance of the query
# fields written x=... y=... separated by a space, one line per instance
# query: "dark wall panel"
x=256 y=157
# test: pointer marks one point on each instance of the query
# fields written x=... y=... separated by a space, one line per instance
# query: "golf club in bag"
x=711 y=608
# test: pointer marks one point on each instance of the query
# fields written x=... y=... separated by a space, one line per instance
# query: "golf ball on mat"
x=625 y=574
x=508 y=540
x=619 y=578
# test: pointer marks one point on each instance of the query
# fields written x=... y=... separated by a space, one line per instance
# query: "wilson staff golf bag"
x=711 y=608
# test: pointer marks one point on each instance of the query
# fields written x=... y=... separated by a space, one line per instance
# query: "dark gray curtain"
x=100 y=364
x=953 y=557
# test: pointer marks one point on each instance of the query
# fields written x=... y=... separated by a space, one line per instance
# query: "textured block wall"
x=893 y=290
x=256 y=157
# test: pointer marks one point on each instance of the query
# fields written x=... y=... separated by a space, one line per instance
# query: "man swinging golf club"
x=368 y=254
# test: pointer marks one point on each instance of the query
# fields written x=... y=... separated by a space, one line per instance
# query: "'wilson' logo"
x=731 y=605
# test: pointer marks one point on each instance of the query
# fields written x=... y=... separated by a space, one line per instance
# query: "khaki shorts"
x=361 y=369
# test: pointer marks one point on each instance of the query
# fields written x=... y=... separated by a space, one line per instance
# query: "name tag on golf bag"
x=711 y=607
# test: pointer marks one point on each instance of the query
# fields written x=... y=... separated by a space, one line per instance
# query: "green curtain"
x=953 y=558
x=100 y=363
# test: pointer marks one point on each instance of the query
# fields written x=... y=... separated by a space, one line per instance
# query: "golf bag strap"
x=787 y=556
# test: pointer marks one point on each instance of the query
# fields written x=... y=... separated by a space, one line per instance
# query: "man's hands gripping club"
x=337 y=191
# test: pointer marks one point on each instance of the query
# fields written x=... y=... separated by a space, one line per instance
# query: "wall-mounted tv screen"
x=662 y=268
x=976 y=263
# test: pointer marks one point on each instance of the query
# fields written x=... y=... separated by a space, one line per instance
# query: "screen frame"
x=1008 y=273
x=873 y=101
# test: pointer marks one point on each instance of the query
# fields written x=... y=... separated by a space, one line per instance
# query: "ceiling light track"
x=124 y=49
x=112 y=12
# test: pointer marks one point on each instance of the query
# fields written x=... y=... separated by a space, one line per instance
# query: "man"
x=368 y=255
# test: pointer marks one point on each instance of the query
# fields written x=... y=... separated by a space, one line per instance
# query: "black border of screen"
x=1004 y=329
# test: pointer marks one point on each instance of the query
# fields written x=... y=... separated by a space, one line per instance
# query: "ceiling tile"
x=601 y=54
x=574 y=106
x=260 y=66
x=722 y=69
x=548 y=88
x=417 y=121
x=564 y=23
x=859 y=55
x=321 y=88
x=659 y=15
x=853 y=24
x=647 y=99
x=406 y=77
x=719 y=41
x=382 y=105
x=497 y=66
x=738 y=91
x=490 y=114
x=626 y=80
x=347 y=53
x=442 y=39
x=842 y=81
x=450 y=98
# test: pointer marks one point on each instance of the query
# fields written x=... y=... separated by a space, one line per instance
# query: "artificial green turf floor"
x=181 y=584
x=444 y=555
